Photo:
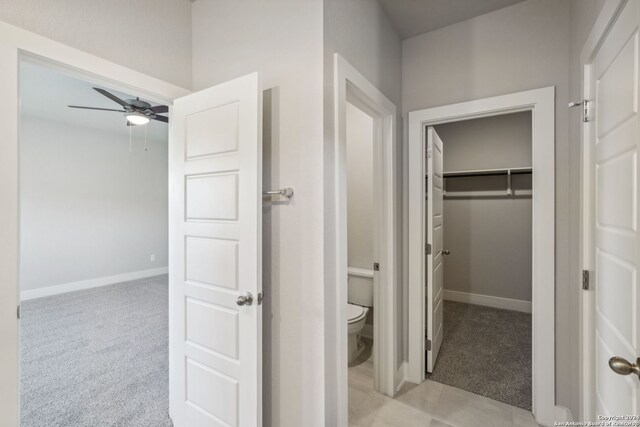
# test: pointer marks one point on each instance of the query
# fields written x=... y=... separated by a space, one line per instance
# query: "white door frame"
x=350 y=85
x=541 y=103
x=17 y=44
x=605 y=21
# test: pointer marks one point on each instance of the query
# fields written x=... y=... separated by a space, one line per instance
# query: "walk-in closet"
x=486 y=257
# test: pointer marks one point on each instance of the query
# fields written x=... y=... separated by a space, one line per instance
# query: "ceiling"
x=414 y=17
x=45 y=93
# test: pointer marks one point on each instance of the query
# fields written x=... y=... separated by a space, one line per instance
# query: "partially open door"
x=215 y=347
x=435 y=227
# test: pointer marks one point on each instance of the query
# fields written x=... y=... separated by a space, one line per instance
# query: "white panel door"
x=215 y=256
x=614 y=146
x=435 y=229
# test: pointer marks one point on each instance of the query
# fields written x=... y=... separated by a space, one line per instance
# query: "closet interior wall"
x=489 y=238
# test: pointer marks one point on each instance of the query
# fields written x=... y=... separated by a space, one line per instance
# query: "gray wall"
x=151 y=36
x=524 y=46
x=283 y=41
x=489 y=238
x=360 y=227
x=361 y=32
x=88 y=207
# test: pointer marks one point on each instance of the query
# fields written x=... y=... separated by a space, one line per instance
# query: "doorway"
x=479 y=210
x=231 y=117
x=93 y=255
x=353 y=92
x=540 y=103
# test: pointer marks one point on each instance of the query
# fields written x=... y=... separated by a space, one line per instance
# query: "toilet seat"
x=355 y=313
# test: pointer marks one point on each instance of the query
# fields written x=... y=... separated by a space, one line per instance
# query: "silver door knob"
x=624 y=367
x=446 y=252
x=245 y=299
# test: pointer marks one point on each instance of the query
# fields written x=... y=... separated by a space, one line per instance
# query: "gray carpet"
x=97 y=357
x=486 y=351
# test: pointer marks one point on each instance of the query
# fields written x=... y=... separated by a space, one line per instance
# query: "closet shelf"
x=486 y=172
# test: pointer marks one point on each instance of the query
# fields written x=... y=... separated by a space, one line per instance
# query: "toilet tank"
x=360 y=290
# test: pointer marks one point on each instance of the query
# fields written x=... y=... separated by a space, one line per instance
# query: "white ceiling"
x=45 y=93
x=414 y=17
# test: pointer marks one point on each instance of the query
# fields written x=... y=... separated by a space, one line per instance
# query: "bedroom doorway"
x=93 y=253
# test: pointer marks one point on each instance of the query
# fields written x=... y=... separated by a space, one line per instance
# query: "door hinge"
x=586 y=280
x=427 y=249
x=429 y=153
x=18 y=311
x=260 y=297
x=427 y=344
x=376 y=266
x=585 y=108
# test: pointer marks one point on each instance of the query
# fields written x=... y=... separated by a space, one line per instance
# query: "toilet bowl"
x=357 y=316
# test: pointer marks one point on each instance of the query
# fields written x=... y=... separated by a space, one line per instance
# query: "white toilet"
x=360 y=297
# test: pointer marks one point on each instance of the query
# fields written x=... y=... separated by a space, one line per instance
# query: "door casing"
x=541 y=102
x=351 y=86
x=20 y=45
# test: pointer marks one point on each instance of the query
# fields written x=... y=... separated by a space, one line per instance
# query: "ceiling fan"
x=136 y=111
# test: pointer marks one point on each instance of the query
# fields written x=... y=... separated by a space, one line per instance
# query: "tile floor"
x=429 y=404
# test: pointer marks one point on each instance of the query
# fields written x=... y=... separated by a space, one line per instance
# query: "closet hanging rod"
x=487 y=172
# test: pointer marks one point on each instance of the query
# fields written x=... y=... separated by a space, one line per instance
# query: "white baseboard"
x=90 y=283
x=489 y=301
x=401 y=376
x=367 y=330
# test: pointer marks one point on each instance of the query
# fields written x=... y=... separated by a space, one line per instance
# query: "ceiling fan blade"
x=161 y=119
x=159 y=109
x=111 y=97
x=95 y=108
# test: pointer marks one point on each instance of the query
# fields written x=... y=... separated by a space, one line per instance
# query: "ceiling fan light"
x=137 y=118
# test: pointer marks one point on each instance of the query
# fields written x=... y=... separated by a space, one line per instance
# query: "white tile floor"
x=429 y=404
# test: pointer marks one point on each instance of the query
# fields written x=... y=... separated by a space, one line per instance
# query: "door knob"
x=245 y=299
x=624 y=367
x=446 y=252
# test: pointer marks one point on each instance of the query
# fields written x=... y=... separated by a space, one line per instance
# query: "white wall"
x=151 y=36
x=360 y=227
x=521 y=47
x=489 y=238
x=283 y=41
x=88 y=207
x=361 y=32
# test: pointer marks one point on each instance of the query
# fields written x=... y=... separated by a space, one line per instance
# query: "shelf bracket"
x=509 y=191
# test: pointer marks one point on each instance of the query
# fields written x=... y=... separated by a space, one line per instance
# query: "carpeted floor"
x=486 y=351
x=97 y=357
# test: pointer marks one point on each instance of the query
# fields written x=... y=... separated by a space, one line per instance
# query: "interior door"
x=613 y=130
x=215 y=256
x=435 y=228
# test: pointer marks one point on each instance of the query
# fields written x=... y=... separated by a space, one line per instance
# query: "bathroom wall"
x=360 y=215
x=89 y=208
x=359 y=188
x=489 y=238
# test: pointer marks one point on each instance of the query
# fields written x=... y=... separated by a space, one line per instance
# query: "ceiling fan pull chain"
x=145 y=138
x=130 y=138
